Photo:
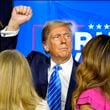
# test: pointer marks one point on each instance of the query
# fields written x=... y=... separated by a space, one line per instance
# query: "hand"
x=20 y=15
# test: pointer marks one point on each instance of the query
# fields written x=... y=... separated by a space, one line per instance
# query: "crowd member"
x=57 y=41
x=93 y=76
x=16 y=87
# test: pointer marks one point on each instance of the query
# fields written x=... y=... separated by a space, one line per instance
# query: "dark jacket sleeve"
x=8 y=43
x=6 y=7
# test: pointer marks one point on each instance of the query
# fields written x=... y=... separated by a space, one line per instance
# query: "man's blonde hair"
x=54 y=24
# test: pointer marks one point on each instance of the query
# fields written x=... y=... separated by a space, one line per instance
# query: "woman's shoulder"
x=94 y=97
x=42 y=105
x=93 y=92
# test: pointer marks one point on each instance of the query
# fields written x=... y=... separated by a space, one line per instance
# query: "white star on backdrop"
x=91 y=26
x=106 y=26
x=99 y=26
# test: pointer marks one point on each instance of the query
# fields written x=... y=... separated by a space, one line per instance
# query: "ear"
x=45 y=46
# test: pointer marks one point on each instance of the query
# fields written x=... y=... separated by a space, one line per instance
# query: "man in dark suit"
x=57 y=41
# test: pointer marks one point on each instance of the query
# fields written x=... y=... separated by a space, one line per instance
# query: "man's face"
x=59 y=43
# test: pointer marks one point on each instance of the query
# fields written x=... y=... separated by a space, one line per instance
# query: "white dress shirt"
x=42 y=106
x=64 y=74
x=5 y=33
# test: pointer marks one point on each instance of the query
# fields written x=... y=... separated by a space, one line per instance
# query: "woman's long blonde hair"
x=94 y=71
x=16 y=87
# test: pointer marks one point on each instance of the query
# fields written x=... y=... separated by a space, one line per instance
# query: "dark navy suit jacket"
x=39 y=64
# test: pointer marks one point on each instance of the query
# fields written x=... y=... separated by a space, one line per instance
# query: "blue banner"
x=89 y=18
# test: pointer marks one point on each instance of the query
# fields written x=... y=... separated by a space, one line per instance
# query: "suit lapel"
x=44 y=77
x=71 y=88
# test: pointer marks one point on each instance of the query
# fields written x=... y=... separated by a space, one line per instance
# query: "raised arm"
x=20 y=15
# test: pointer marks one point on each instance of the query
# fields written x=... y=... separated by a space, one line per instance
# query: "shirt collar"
x=64 y=65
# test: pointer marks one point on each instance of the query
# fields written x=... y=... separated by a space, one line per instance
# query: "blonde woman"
x=93 y=76
x=16 y=87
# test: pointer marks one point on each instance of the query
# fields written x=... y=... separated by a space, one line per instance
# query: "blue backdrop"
x=89 y=18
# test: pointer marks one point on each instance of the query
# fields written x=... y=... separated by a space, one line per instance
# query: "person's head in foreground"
x=94 y=71
x=16 y=87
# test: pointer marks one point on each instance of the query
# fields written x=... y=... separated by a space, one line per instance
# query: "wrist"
x=12 y=25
